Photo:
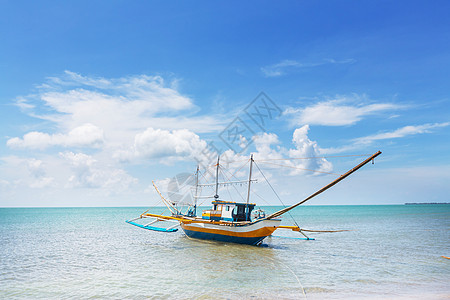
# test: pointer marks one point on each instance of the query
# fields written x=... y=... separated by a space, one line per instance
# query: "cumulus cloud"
x=337 y=112
x=306 y=148
x=86 y=135
x=120 y=107
x=155 y=143
x=303 y=158
x=264 y=144
x=167 y=146
x=286 y=66
x=133 y=117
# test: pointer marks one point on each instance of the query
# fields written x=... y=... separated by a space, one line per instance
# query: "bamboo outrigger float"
x=230 y=221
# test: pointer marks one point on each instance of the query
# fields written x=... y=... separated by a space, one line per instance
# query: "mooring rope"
x=290 y=270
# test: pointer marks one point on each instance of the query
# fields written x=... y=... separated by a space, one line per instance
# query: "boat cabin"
x=229 y=211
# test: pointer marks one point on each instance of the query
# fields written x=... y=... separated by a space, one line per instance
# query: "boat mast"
x=216 y=196
x=249 y=179
x=196 y=191
x=248 y=192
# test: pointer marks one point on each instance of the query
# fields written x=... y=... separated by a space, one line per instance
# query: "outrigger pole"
x=169 y=205
x=285 y=210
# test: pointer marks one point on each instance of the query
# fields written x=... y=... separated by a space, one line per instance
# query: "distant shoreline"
x=426 y=203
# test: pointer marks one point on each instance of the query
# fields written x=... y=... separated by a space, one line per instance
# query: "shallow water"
x=391 y=252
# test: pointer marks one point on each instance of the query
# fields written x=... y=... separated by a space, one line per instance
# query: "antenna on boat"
x=216 y=196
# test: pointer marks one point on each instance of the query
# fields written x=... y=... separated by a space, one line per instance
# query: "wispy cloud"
x=400 y=133
x=338 y=112
x=285 y=66
x=362 y=142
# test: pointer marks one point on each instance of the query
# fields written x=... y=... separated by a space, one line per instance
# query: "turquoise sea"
x=390 y=252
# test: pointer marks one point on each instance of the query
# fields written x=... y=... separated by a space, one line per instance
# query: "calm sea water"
x=391 y=252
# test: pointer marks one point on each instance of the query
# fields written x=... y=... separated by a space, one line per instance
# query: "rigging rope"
x=226 y=186
x=240 y=169
x=276 y=194
x=228 y=178
x=256 y=194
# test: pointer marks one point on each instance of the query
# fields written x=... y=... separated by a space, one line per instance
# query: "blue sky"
x=98 y=98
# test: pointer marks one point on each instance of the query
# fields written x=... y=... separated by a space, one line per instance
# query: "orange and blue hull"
x=251 y=234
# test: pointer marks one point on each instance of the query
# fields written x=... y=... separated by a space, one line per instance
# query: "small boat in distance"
x=229 y=221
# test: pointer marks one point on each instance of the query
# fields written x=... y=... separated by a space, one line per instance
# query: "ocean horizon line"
x=309 y=205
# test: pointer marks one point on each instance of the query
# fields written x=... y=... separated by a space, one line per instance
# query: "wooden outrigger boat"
x=230 y=221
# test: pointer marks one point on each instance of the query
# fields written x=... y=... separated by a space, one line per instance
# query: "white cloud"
x=74 y=78
x=143 y=94
x=113 y=116
x=23 y=104
x=42 y=182
x=149 y=91
x=36 y=167
x=264 y=144
x=338 y=112
x=25 y=173
x=279 y=68
x=89 y=173
x=38 y=172
x=156 y=143
x=305 y=148
x=303 y=158
x=168 y=146
x=120 y=107
x=30 y=140
x=86 y=135
x=285 y=66
x=173 y=145
x=401 y=132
